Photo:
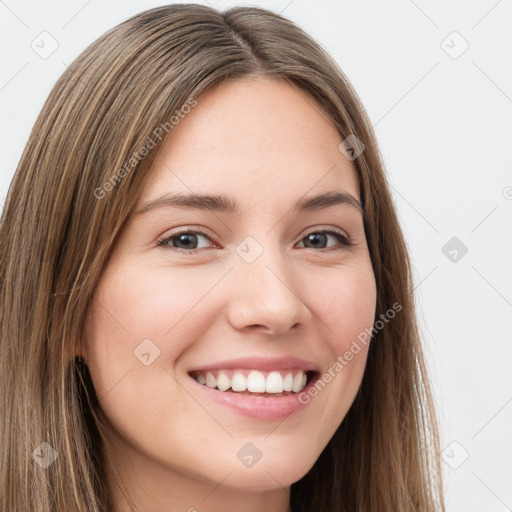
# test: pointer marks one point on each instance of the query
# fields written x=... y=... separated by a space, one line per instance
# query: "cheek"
x=345 y=303
x=346 y=308
x=139 y=323
x=134 y=305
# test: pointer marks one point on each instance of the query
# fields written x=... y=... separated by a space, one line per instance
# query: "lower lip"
x=261 y=408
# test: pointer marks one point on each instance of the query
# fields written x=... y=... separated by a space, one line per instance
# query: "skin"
x=265 y=143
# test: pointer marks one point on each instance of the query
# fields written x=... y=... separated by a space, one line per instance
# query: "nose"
x=266 y=296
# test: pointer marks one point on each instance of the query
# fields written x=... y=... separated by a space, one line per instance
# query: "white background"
x=444 y=126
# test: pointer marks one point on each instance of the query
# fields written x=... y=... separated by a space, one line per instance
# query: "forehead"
x=259 y=140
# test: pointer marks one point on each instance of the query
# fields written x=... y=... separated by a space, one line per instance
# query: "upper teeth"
x=254 y=380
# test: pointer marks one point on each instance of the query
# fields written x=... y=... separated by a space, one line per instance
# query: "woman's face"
x=267 y=294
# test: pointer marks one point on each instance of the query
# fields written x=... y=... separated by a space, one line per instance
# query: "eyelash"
x=345 y=241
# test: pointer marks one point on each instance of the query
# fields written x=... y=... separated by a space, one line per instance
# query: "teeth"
x=288 y=382
x=223 y=382
x=238 y=382
x=297 y=383
x=275 y=382
x=211 y=381
x=256 y=382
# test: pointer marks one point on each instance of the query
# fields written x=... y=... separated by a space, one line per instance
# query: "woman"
x=205 y=293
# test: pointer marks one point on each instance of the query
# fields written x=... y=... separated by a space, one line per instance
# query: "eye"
x=184 y=241
x=317 y=239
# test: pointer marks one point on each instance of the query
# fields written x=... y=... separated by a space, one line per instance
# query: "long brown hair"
x=76 y=184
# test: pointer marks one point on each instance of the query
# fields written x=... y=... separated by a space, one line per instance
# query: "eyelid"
x=325 y=229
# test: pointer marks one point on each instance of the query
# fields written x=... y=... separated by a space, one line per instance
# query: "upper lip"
x=258 y=363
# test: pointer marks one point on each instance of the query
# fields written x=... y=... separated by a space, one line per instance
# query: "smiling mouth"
x=276 y=383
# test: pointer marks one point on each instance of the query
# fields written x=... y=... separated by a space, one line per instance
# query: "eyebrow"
x=230 y=206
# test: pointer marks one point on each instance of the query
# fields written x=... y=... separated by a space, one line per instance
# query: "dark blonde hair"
x=60 y=223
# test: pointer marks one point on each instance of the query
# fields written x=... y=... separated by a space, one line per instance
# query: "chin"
x=281 y=468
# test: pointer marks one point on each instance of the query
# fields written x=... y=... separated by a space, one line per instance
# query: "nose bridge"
x=267 y=290
x=260 y=262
